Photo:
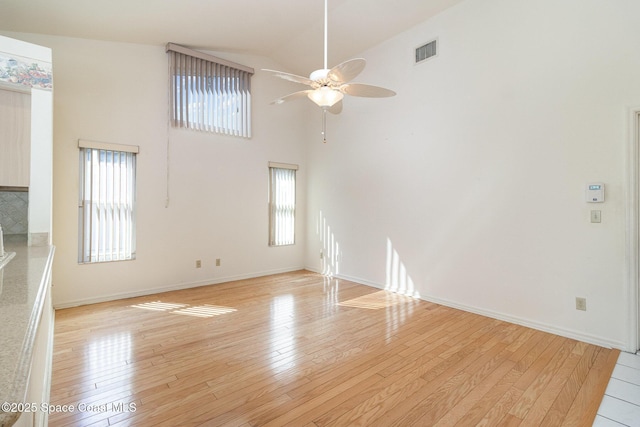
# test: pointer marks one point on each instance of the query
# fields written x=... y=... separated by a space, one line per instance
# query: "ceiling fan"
x=328 y=86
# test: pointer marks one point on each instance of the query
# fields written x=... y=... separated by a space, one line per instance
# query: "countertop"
x=23 y=286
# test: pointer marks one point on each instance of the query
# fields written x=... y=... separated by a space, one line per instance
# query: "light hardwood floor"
x=300 y=349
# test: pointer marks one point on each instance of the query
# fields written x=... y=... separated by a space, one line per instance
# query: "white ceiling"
x=289 y=31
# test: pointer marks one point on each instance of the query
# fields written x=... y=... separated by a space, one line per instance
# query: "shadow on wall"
x=398 y=280
x=330 y=254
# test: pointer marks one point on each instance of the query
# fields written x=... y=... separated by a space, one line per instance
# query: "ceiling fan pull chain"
x=324 y=125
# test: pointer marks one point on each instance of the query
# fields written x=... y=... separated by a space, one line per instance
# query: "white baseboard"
x=563 y=332
x=568 y=333
x=175 y=287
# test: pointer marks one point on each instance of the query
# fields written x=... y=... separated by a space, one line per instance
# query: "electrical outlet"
x=198 y=263
x=581 y=304
x=217 y=262
x=321 y=255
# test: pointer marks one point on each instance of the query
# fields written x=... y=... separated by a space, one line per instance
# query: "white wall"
x=118 y=93
x=467 y=188
x=41 y=179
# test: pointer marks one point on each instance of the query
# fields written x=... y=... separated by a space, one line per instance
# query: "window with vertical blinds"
x=209 y=93
x=282 y=203
x=107 y=202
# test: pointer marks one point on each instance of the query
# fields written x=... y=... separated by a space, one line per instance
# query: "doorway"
x=633 y=230
x=636 y=138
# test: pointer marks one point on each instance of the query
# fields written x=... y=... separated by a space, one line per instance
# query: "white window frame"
x=107 y=202
x=282 y=204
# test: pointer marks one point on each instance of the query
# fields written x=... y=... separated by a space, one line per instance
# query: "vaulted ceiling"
x=289 y=31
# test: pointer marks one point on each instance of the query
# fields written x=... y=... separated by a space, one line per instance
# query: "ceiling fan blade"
x=347 y=71
x=335 y=108
x=369 y=91
x=290 y=77
x=291 y=96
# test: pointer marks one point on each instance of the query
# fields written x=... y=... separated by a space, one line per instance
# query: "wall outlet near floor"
x=321 y=255
x=217 y=262
x=581 y=304
x=198 y=263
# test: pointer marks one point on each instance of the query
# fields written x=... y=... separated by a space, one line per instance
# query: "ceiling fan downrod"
x=326 y=44
x=326 y=31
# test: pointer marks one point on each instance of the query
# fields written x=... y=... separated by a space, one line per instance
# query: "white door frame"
x=633 y=230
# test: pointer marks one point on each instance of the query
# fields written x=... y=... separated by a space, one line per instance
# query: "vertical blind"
x=209 y=93
x=282 y=205
x=107 y=205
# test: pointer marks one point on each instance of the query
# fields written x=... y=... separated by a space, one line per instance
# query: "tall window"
x=282 y=203
x=209 y=93
x=107 y=202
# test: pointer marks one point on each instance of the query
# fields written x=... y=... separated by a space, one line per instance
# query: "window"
x=107 y=202
x=209 y=93
x=282 y=203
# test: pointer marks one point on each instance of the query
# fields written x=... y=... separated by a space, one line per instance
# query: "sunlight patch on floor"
x=375 y=301
x=205 y=310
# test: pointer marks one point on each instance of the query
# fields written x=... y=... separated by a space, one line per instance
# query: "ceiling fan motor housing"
x=319 y=75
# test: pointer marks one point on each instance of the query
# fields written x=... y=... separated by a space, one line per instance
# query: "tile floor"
x=621 y=402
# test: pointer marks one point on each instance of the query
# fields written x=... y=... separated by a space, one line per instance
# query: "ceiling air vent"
x=426 y=51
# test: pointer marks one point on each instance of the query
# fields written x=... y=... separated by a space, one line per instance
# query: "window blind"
x=209 y=93
x=282 y=204
x=107 y=202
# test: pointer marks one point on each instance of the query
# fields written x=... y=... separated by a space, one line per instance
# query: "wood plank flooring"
x=300 y=349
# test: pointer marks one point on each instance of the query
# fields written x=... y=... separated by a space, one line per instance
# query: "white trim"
x=174 y=287
x=83 y=143
x=632 y=232
x=563 y=332
x=283 y=165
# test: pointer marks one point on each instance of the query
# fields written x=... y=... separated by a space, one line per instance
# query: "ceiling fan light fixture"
x=329 y=85
x=325 y=97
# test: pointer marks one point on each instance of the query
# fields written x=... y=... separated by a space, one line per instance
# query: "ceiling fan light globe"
x=325 y=96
